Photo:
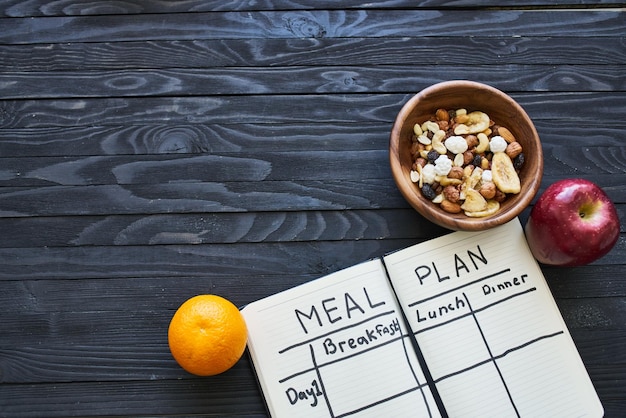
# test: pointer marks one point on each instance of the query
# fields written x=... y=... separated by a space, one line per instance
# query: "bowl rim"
x=410 y=192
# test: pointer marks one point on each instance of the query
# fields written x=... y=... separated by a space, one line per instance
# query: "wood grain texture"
x=16 y=8
x=230 y=394
x=236 y=80
x=258 y=167
x=568 y=107
x=194 y=139
x=154 y=150
x=314 y=24
x=212 y=228
x=116 y=357
x=356 y=51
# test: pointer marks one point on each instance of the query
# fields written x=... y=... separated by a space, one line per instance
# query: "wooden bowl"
x=472 y=96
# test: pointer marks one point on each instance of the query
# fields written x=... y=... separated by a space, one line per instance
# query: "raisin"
x=428 y=192
x=518 y=162
x=432 y=156
x=477 y=160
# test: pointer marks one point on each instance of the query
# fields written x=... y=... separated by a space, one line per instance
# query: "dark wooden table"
x=155 y=150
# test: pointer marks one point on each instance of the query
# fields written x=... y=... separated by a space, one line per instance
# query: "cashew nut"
x=437 y=144
x=483 y=143
x=476 y=122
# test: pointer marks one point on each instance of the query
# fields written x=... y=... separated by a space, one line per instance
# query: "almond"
x=506 y=134
x=450 y=207
x=442 y=114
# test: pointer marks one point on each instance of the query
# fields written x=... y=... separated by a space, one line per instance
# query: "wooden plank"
x=588 y=281
x=253 y=138
x=234 y=393
x=211 y=197
x=206 y=138
x=313 y=24
x=303 y=80
x=169 y=169
x=568 y=107
x=193 y=197
x=244 y=260
x=20 y=8
x=205 y=260
x=214 y=228
x=217 y=227
x=356 y=51
x=215 y=168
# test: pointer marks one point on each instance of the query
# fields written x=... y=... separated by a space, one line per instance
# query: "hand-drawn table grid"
x=473 y=315
x=379 y=380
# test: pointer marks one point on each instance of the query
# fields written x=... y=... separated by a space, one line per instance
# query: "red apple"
x=573 y=223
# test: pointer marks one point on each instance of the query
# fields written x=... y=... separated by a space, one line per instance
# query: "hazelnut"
x=452 y=194
x=416 y=147
x=513 y=149
x=472 y=141
x=468 y=157
x=488 y=190
x=499 y=196
x=456 y=173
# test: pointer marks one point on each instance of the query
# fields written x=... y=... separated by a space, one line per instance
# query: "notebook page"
x=336 y=347
x=488 y=327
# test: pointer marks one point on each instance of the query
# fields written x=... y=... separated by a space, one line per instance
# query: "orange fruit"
x=207 y=335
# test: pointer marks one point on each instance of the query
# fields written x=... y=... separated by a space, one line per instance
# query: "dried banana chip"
x=503 y=173
x=492 y=207
x=474 y=201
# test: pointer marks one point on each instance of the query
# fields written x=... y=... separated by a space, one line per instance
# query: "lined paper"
x=337 y=347
x=488 y=327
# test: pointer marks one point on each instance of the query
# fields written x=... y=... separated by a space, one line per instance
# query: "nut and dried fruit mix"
x=465 y=162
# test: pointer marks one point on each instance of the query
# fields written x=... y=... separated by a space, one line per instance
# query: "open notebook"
x=463 y=326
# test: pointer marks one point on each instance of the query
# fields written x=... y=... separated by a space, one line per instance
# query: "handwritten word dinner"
x=462 y=264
